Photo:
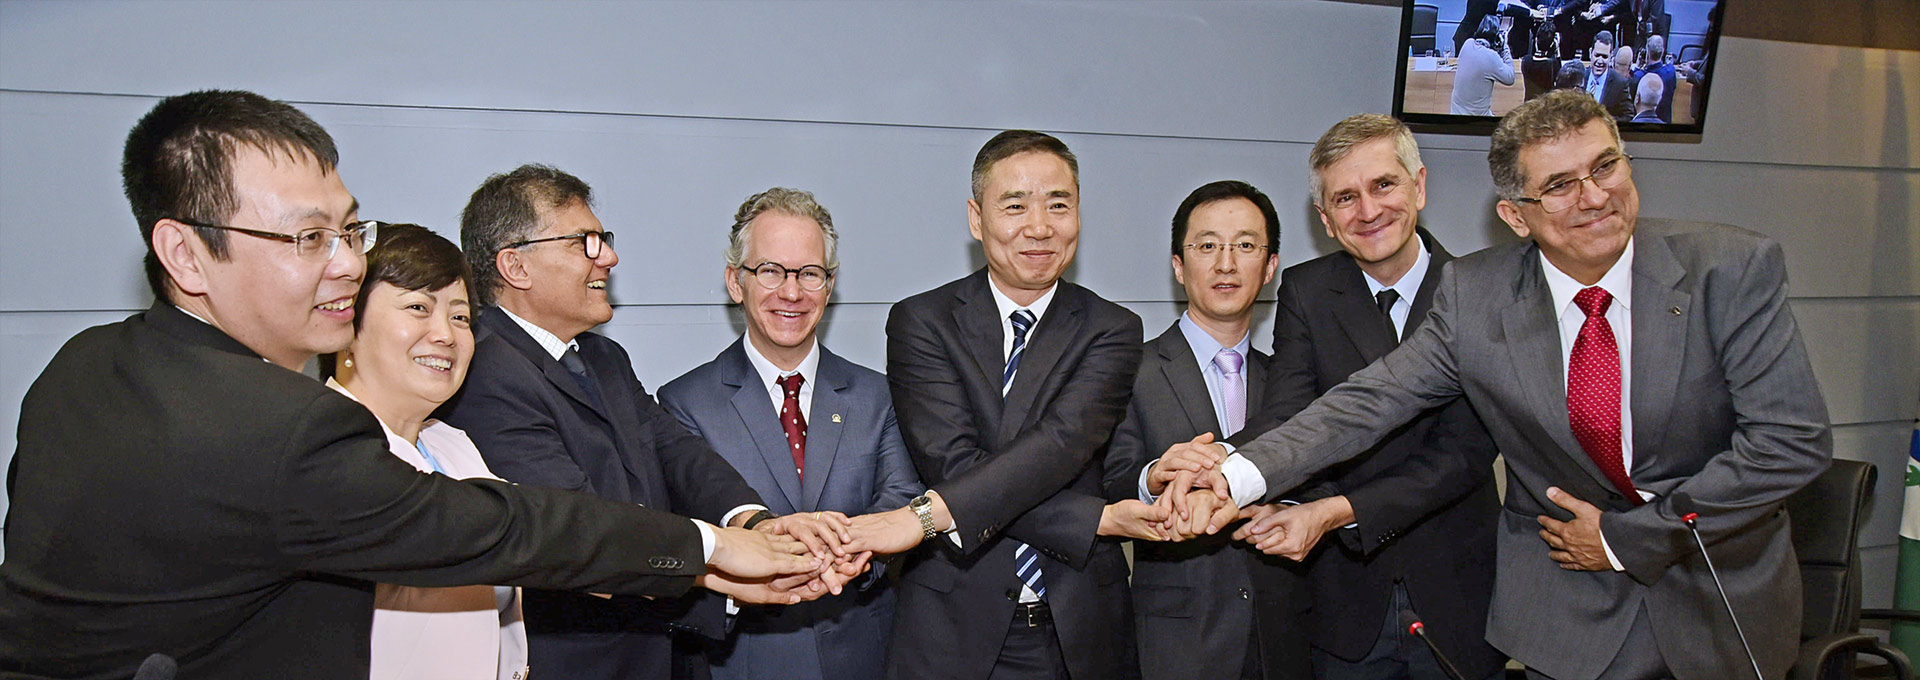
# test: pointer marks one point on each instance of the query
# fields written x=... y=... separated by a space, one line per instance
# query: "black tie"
x=1385 y=299
x=578 y=368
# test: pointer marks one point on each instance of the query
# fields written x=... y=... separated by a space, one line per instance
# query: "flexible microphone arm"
x=1414 y=627
x=1682 y=505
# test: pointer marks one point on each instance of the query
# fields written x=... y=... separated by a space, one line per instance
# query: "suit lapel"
x=1354 y=309
x=1182 y=372
x=762 y=422
x=1533 y=341
x=1423 y=300
x=823 y=427
x=1051 y=336
x=1659 y=339
x=979 y=321
x=551 y=368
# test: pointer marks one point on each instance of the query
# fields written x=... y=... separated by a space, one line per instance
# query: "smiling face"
x=1370 y=204
x=781 y=322
x=413 y=348
x=282 y=306
x=1221 y=287
x=1027 y=221
x=1585 y=239
x=567 y=292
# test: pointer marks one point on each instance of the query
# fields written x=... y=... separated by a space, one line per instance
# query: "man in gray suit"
x=811 y=432
x=1618 y=364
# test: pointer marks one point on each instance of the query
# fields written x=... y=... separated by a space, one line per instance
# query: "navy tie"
x=578 y=368
x=1026 y=561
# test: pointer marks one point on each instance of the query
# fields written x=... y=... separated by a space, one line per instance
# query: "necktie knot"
x=1229 y=361
x=1022 y=322
x=791 y=384
x=1593 y=300
x=1385 y=300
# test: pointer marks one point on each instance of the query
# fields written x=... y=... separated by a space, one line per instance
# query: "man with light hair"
x=1646 y=101
x=1631 y=372
x=811 y=432
x=1411 y=520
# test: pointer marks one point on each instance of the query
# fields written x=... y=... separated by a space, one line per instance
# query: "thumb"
x=1204 y=438
x=1566 y=500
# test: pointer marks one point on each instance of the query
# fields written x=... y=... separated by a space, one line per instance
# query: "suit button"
x=1244 y=595
x=985 y=534
x=666 y=563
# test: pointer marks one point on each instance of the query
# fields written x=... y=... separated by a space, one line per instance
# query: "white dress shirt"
x=1007 y=306
x=1618 y=282
x=558 y=348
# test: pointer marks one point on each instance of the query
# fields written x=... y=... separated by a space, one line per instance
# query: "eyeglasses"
x=1561 y=195
x=772 y=275
x=318 y=244
x=1241 y=249
x=590 y=242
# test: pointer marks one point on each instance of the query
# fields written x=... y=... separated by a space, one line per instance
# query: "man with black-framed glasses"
x=550 y=403
x=812 y=432
x=1619 y=363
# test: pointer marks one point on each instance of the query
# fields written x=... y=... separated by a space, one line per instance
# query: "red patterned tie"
x=795 y=422
x=1593 y=390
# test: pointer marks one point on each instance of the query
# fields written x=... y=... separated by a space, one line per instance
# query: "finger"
x=1178 y=489
x=1578 y=507
x=1553 y=540
x=1218 y=482
x=1560 y=556
x=1221 y=518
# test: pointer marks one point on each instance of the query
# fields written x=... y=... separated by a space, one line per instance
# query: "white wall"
x=677 y=111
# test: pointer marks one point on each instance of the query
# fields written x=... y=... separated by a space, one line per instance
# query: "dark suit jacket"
x=173 y=493
x=1025 y=466
x=1424 y=498
x=1198 y=602
x=1617 y=94
x=856 y=464
x=535 y=426
x=1725 y=408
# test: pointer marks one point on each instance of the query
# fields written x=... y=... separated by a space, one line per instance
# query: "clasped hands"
x=784 y=560
x=1189 y=481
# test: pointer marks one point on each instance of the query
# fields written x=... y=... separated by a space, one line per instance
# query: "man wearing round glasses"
x=1617 y=363
x=813 y=433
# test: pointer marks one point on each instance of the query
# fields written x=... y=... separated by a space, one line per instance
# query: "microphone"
x=1682 y=505
x=157 y=667
x=1417 y=629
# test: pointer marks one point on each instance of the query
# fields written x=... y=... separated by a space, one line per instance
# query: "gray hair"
x=785 y=201
x=1542 y=119
x=1353 y=131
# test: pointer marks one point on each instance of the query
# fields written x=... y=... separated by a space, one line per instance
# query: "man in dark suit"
x=1413 y=517
x=181 y=489
x=1606 y=80
x=1619 y=364
x=1008 y=383
x=1209 y=607
x=811 y=432
x=550 y=404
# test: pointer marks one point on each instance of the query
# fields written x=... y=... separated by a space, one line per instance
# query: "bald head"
x=1648 y=96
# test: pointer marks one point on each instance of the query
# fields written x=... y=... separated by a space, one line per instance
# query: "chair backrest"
x=1826 y=517
x=1426 y=20
x=1690 y=53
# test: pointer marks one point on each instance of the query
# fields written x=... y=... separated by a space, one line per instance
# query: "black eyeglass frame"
x=590 y=242
x=825 y=279
x=367 y=230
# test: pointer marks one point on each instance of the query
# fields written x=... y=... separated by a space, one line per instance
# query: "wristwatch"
x=756 y=518
x=923 y=508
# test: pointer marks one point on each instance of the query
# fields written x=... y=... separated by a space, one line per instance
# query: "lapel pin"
x=1676 y=311
x=836 y=417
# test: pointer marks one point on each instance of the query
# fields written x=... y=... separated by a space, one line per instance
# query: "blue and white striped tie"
x=1026 y=561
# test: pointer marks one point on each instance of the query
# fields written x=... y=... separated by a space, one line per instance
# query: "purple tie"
x=1234 y=388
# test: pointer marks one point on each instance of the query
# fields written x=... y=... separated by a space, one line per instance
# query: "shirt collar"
x=548 y=341
x=1205 y=347
x=1618 y=282
x=1409 y=284
x=771 y=374
x=1007 y=305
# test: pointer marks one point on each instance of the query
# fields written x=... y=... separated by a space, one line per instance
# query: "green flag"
x=1906 y=586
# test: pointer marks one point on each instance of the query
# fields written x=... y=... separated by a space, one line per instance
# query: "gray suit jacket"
x=1199 y=603
x=1725 y=408
x=855 y=464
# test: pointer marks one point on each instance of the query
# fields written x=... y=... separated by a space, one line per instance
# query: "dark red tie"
x=1593 y=389
x=795 y=422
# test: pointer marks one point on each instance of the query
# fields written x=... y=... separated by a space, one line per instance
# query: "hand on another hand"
x=1134 y=519
x=824 y=533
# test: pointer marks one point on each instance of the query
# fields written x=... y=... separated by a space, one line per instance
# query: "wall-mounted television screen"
x=1464 y=63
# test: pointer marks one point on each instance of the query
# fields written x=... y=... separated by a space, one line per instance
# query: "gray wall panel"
x=1864 y=355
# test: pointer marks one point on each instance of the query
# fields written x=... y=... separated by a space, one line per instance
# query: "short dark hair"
x=506 y=209
x=1542 y=119
x=178 y=160
x=1012 y=143
x=1605 y=37
x=1222 y=190
x=411 y=257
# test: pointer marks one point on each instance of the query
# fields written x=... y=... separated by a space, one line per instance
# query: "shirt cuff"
x=1611 y=560
x=1244 y=480
x=952 y=532
x=727 y=519
x=1145 y=497
x=706 y=540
